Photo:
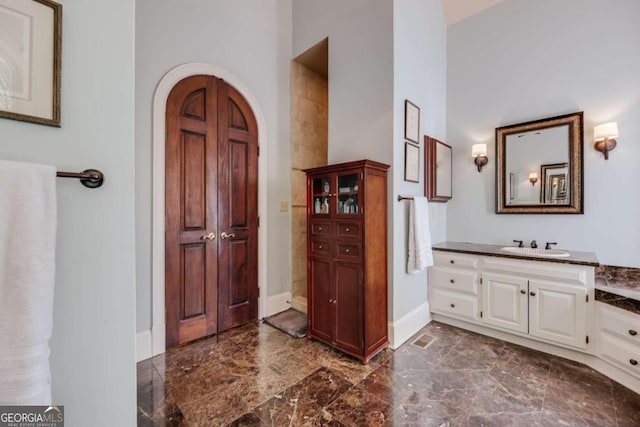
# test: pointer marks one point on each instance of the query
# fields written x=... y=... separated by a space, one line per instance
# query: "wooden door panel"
x=191 y=211
x=348 y=307
x=193 y=280
x=320 y=297
x=239 y=156
x=238 y=210
x=193 y=201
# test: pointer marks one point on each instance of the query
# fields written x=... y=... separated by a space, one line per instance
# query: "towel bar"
x=90 y=178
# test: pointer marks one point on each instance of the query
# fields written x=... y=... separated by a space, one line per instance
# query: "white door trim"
x=161 y=94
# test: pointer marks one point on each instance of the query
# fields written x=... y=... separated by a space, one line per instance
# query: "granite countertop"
x=580 y=258
x=619 y=286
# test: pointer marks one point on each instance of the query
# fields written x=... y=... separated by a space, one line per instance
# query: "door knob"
x=210 y=236
x=522 y=291
x=224 y=235
x=533 y=294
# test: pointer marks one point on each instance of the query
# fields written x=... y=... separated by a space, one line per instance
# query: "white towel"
x=420 y=255
x=27 y=276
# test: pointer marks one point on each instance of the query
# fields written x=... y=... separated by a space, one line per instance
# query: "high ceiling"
x=457 y=10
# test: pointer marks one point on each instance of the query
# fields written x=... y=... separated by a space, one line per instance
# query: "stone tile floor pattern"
x=256 y=375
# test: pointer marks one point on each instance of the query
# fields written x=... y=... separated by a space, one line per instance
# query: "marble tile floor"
x=256 y=375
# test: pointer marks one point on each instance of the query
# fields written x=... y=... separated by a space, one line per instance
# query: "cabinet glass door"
x=321 y=189
x=348 y=201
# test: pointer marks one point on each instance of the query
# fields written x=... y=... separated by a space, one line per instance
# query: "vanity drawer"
x=349 y=250
x=620 y=323
x=454 y=304
x=319 y=247
x=349 y=229
x=321 y=228
x=452 y=259
x=620 y=353
x=454 y=279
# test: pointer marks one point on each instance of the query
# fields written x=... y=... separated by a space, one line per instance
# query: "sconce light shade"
x=479 y=150
x=479 y=153
x=604 y=136
x=533 y=178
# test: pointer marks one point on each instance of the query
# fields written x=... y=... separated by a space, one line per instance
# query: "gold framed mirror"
x=539 y=166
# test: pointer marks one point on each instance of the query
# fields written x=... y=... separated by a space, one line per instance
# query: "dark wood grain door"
x=210 y=188
x=348 y=306
x=238 y=210
x=321 y=299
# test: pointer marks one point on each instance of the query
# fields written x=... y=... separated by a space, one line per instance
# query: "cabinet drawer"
x=348 y=229
x=619 y=323
x=320 y=248
x=452 y=259
x=348 y=250
x=454 y=304
x=620 y=353
x=321 y=228
x=454 y=279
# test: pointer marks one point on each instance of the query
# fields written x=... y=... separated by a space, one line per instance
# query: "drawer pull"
x=632 y=332
x=452 y=261
x=533 y=294
x=347 y=250
x=633 y=362
x=522 y=291
x=320 y=247
x=346 y=230
x=453 y=306
x=452 y=281
x=319 y=228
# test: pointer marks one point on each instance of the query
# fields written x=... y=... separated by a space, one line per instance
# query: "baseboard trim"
x=278 y=303
x=407 y=326
x=143 y=345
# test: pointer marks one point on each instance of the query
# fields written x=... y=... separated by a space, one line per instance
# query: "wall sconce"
x=605 y=135
x=479 y=153
x=533 y=178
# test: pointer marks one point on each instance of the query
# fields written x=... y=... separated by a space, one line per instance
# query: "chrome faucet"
x=548 y=245
x=534 y=244
x=520 y=243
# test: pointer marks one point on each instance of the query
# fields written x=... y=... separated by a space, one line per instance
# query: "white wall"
x=527 y=59
x=92 y=348
x=250 y=39
x=420 y=75
x=360 y=72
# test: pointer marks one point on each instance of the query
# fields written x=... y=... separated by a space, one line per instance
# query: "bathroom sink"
x=549 y=253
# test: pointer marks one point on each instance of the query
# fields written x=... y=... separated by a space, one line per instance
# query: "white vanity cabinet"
x=545 y=301
x=454 y=286
x=619 y=338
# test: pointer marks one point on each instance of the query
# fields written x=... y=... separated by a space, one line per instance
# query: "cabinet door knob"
x=632 y=332
x=346 y=229
x=319 y=228
x=533 y=294
x=633 y=362
x=347 y=250
x=453 y=306
x=319 y=246
x=452 y=261
x=452 y=281
x=330 y=301
x=522 y=291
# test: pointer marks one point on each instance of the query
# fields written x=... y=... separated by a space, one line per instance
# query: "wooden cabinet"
x=347 y=256
x=536 y=299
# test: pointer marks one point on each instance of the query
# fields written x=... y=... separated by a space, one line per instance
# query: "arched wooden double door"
x=211 y=214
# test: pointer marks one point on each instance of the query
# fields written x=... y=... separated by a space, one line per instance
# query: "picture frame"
x=411 y=122
x=438 y=170
x=554 y=184
x=30 y=60
x=411 y=162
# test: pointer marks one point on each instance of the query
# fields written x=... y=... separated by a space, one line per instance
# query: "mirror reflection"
x=527 y=154
x=539 y=166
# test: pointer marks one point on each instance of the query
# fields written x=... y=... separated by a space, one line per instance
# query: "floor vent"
x=423 y=341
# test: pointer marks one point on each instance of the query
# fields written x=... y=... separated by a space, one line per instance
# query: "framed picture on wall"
x=30 y=57
x=411 y=121
x=411 y=162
